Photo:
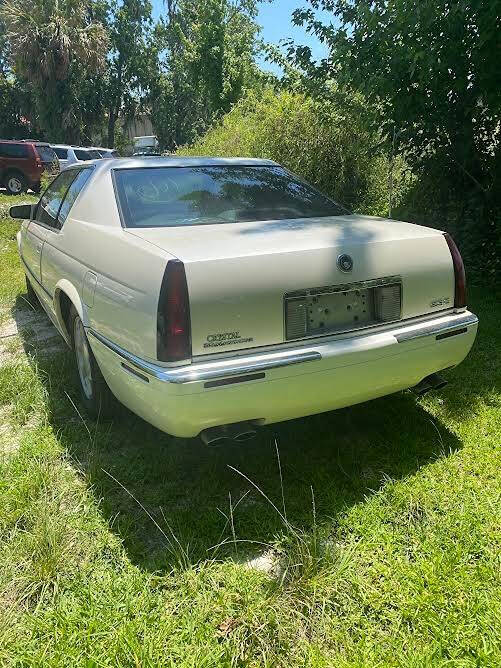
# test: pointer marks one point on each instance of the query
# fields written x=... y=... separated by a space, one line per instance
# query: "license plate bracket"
x=338 y=310
x=327 y=310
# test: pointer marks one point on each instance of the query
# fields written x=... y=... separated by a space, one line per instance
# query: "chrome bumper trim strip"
x=226 y=368
x=212 y=370
x=452 y=323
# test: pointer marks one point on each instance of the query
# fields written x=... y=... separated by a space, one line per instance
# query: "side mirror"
x=21 y=211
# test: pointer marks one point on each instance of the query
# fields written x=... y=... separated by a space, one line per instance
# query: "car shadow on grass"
x=164 y=495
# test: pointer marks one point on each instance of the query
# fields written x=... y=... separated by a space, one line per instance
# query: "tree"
x=133 y=61
x=209 y=63
x=430 y=67
x=15 y=97
x=53 y=45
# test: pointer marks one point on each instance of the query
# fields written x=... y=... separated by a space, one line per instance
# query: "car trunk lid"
x=245 y=280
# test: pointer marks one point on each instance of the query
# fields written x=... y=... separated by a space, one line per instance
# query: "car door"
x=59 y=258
x=43 y=228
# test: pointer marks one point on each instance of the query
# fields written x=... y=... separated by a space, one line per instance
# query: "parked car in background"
x=69 y=155
x=146 y=153
x=105 y=152
x=211 y=296
x=145 y=143
x=22 y=164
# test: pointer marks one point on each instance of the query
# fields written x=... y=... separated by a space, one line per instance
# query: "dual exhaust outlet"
x=238 y=432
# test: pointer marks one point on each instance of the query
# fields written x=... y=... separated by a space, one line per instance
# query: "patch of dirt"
x=28 y=329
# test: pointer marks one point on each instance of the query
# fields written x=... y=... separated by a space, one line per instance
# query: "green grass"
x=394 y=560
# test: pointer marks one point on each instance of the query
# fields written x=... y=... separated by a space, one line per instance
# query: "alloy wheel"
x=14 y=184
x=82 y=353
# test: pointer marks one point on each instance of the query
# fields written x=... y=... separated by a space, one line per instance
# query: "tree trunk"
x=115 y=105
x=111 y=126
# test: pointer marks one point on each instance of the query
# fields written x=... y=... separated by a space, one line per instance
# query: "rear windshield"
x=82 y=155
x=46 y=153
x=176 y=196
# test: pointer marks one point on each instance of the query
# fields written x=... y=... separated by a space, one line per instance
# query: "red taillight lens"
x=459 y=274
x=173 y=318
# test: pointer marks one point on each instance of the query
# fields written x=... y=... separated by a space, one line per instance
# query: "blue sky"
x=275 y=20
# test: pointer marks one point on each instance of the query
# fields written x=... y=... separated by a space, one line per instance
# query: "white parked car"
x=105 y=152
x=211 y=296
x=70 y=155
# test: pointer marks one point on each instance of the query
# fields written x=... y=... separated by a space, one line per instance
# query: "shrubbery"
x=328 y=144
x=472 y=218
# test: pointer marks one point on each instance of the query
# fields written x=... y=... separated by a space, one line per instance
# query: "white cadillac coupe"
x=211 y=295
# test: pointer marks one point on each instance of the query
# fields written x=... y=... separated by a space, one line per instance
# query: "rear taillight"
x=173 y=318
x=459 y=274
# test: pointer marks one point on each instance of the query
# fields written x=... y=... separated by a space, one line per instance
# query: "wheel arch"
x=66 y=296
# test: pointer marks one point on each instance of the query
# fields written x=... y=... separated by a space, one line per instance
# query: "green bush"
x=328 y=144
x=472 y=218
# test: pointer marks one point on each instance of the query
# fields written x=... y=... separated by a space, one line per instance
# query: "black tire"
x=31 y=295
x=96 y=396
x=15 y=182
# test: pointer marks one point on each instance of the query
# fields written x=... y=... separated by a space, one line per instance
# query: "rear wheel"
x=15 y=183
x=96 y=395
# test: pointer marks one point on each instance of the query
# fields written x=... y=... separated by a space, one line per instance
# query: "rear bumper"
x=293 y=382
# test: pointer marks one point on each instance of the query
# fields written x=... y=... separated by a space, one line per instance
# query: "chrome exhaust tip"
x=240 y=432
x=213 y=436
x=432 y=382
x=437 y=382
x=245 y=435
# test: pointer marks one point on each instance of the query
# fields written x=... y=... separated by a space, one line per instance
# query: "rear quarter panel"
x=120 y=301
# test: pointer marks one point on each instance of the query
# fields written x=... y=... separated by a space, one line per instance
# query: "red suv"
x=22 y=164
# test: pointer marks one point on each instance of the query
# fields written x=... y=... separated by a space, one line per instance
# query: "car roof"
x=23 y=141
x=180 y=161
x=78 y=148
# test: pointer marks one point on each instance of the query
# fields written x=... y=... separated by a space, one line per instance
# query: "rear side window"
x=61 y=153
x=14 y=151
x=49 y=205
x=94 y=154
x=72 y=193
x=46 y=153
x=82 y=155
